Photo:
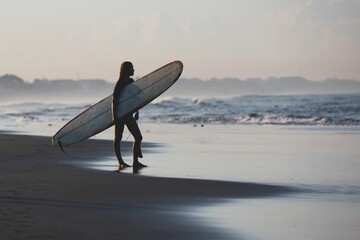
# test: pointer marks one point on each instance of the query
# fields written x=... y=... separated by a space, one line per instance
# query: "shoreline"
x=43 y=198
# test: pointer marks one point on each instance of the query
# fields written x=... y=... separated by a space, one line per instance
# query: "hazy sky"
x=214 y=38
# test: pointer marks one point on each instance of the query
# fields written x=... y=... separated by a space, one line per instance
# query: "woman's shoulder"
x=121 y=83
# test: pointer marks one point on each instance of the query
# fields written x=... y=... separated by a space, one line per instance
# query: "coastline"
x=42 y=198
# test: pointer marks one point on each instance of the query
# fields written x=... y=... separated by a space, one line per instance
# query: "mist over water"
x=13 y=89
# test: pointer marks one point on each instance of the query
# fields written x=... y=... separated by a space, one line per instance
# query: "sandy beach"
x=210 y=182
x=44 y=199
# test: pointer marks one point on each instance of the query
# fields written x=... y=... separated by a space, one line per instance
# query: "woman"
x=126 y=70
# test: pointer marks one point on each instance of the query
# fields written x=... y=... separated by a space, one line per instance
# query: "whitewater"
x=319 y=110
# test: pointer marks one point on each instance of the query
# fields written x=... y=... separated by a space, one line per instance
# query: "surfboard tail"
x=54 y=141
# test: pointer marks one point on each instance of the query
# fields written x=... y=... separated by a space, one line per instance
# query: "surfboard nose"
x=179 y=63
x=180 y=67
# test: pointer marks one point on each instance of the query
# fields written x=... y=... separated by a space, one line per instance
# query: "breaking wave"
x=339 y=110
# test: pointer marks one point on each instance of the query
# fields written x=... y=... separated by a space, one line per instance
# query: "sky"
x=316 y=39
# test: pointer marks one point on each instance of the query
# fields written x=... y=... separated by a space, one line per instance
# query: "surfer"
x=126 y=70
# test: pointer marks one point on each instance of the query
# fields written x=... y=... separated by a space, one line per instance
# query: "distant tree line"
x=13 y=88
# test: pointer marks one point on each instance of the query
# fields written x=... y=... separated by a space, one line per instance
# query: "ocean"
x=319 y=110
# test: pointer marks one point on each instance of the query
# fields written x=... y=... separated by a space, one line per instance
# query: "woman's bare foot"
x=137 y=166
x=123 y=165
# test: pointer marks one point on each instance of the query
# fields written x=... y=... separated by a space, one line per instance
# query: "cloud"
x=321 y=18
x=142 y=31
x=149 y=31
x=329 y=15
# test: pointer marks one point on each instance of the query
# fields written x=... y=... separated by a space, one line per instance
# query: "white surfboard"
x=134 y=96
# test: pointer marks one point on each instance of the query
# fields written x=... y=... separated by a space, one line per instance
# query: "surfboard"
x=133 y=97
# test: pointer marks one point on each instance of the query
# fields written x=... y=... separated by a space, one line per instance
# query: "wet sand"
x=41 y=197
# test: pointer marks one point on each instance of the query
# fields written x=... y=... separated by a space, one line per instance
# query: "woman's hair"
x=125 y=68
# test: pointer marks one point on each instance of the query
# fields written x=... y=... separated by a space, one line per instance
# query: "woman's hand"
x=136 y=115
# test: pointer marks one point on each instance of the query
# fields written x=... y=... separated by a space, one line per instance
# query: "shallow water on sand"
x=305 y=156
x=291 y=217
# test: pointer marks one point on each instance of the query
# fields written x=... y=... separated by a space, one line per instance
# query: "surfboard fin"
x=61 y=147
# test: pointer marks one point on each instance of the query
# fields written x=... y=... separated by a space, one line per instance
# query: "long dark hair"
x=125 y=68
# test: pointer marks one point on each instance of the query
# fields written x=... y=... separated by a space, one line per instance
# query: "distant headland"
x=14 y=88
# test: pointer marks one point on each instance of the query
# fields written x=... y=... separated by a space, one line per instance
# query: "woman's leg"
x=135 y=131
x=119 y=129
